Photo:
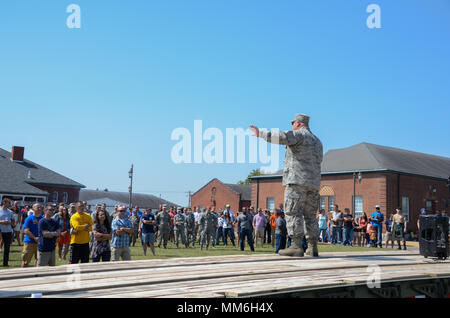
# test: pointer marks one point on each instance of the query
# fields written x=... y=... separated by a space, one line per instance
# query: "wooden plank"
x=181 y=274
x=332 y=276
x=193 y=261
x=137 y=274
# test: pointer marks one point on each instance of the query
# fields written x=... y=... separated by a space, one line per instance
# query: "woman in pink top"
x=363 y=221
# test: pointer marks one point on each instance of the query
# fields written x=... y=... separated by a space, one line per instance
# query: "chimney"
x=17 y=153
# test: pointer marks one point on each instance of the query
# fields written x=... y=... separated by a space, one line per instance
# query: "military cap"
x=303 y=118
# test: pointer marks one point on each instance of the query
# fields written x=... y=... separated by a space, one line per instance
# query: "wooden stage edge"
x=219 y=276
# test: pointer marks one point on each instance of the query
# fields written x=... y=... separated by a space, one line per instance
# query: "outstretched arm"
x=281 y=137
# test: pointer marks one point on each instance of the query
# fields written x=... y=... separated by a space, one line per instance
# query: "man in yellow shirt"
x=80 y=224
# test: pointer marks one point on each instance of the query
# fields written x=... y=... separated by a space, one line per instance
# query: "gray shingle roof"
x=14 y=176
x=371 y=157
x=244 y=189
x=142 y=200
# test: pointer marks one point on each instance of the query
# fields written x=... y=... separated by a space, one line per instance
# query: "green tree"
x=253 y=173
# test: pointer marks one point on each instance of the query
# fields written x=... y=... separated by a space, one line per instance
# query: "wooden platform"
x=219 y=276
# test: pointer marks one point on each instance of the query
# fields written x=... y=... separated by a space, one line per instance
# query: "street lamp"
x=130 y=188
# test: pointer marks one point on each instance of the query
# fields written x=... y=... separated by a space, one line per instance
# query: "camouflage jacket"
x=178 y=218
x=163 y=220
x=304 y=154
x=189 y=222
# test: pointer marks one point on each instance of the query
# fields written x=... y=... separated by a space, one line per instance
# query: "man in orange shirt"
x=273 y=224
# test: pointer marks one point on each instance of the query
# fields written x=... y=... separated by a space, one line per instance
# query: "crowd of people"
x=369 y=231
x=97 y=235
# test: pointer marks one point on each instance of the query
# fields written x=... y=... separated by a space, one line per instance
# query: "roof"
x=244 y=189
x=366 y=157
x=14 y=177
x=142 y=200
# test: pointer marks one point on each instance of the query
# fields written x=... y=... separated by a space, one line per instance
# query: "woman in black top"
x=102 y=235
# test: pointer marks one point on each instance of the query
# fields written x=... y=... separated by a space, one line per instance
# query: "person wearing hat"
x=377 y=218
x=301 y=177
x=189 y=225
x=422 y=212
x=163 y=223
x=178 y=228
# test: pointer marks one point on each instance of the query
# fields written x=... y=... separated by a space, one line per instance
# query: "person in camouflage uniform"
x=207 y=221
x=135 y=219
x=163 y=223
x=213 y=227
x=178 y=228
x=301 y=177
x=189 y=225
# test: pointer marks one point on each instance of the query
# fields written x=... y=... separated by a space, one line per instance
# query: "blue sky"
x=89 y=102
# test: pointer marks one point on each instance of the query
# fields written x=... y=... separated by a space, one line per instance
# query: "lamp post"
x=354 y=189
x=130 y=188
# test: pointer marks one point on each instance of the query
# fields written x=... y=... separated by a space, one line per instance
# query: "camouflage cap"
x=303 y=118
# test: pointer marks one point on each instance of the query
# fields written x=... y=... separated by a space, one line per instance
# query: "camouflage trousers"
x=206 y=235
x=177 y=232
x=190 y=237
x=301 y=204
x=163 y=235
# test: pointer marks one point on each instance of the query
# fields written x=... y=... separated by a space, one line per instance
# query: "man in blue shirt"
x=48 y=232
x=377 y=219
x=147 y=229
x=122 y=230
x=30 y=228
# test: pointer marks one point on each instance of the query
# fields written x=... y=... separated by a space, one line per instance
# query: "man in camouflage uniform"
x=301 y=176
x=178 y=228
x=189 y=225
x=163 y=223
x=207 y=230
x=213 y=227
x=201 y=226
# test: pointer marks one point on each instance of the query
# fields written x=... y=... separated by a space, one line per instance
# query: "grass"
x=137 y=252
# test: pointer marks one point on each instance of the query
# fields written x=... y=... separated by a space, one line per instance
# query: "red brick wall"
x=74 y=193
x=417 y=189
x=371 y=188
x=376 y=188
x=224 y=195
x=268 y=188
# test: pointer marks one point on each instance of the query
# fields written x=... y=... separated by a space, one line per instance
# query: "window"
x=55 y=197
x=358 y=206
x=270 y=204
x=429 y=206
x=65 y=197
x=405 y=208
x=330 y=204
x=322 y=203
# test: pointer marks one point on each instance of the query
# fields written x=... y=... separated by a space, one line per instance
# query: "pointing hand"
x=255 y=130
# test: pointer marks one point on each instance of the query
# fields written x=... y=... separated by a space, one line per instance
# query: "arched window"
x=55 y=197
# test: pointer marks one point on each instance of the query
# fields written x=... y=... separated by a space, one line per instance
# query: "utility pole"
x=130 y=189
x=189 y=194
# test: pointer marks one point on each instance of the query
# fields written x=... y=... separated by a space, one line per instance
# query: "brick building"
x=27 y=182
x=389 y=177
x=218 y=194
